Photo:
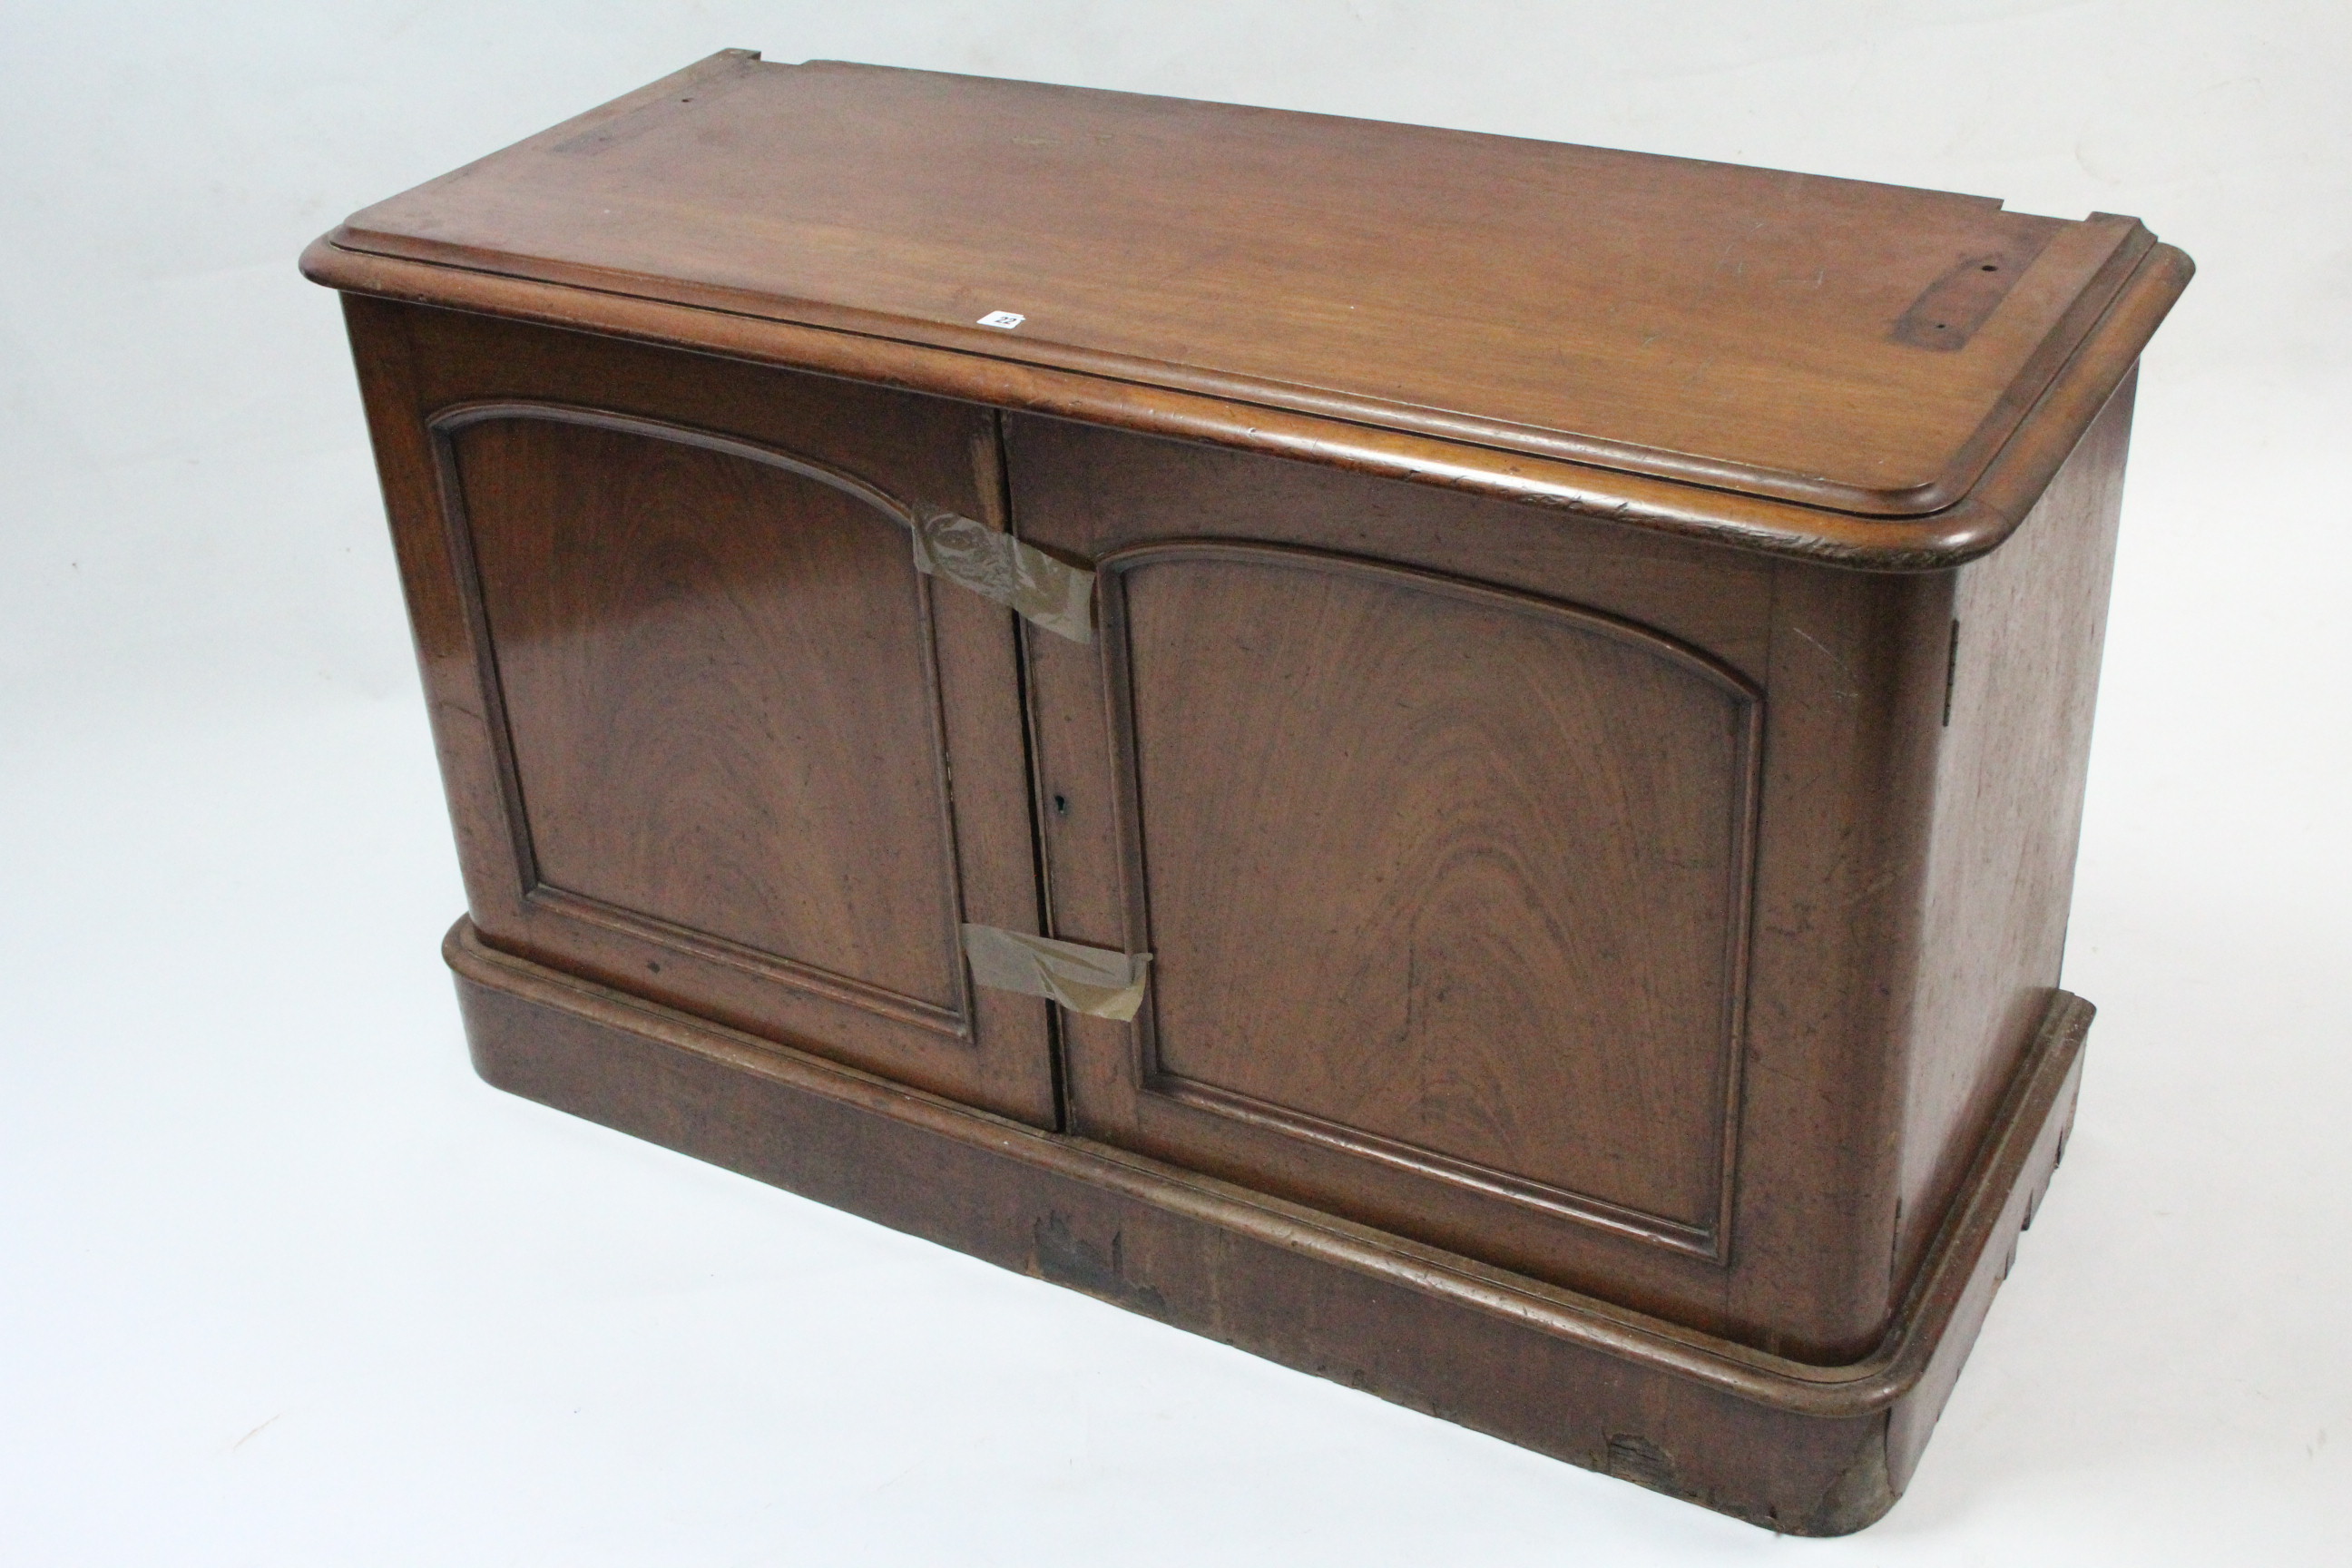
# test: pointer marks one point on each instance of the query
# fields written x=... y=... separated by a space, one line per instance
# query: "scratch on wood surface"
x=1853 y=689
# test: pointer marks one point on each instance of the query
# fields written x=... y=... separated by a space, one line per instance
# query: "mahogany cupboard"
x=1575 y=667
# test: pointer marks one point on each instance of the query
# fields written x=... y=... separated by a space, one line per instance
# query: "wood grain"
x=1552 y=488
x=687 y=647
x=719 y=697
x=1733 y=327
x=1853 y=671
x=1443 y=876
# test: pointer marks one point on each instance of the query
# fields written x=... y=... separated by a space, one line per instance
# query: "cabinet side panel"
x=2025 y=670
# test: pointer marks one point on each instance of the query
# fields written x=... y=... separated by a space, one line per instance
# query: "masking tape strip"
x=1095 y=981
x=1056 y=594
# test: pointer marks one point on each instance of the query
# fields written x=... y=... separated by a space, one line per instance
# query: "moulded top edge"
x=1978 y=523
x=1837 y=344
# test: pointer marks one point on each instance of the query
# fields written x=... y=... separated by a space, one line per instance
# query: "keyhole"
x=1061 y=805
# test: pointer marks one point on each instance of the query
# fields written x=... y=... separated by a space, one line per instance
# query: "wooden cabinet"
x=1576 y=668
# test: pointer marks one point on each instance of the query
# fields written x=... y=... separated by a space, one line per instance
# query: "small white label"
x=1008 y=319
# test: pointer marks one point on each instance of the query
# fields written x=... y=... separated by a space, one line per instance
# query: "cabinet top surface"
x=1855 y=347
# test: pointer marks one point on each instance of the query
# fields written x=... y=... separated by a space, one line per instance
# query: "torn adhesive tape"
x=995 y=566
x=1095 y=981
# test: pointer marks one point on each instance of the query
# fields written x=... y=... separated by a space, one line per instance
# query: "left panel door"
x=709 y=736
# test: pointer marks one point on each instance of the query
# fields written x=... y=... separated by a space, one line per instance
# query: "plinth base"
x=1803 y=1449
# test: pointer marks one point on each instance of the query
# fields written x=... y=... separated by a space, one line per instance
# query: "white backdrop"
x=280 y=1283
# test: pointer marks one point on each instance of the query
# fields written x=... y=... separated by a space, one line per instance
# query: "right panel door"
x=1443 y=866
